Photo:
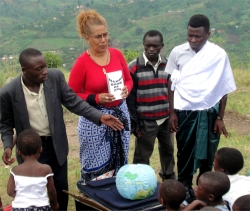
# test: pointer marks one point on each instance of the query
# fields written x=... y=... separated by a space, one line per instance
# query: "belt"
x=45 y=138
x=179 y=111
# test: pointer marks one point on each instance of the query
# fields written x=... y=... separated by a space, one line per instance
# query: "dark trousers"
x=187 y=136
x=144 y=146
x=48 y=156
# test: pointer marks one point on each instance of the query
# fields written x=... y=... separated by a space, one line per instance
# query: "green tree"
x=130 y=54
x=138 y=31
x=53 y=60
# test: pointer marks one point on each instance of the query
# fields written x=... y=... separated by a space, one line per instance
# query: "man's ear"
x=41 y=149
x=18 y=152
x=23 y=70
x=211 y=197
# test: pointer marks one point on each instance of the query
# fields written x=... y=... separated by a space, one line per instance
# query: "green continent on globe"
x=143 y=194
x=130 y=175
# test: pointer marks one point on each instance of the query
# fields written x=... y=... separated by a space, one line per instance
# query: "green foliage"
x=53 y=60
x=130 y=55
x=138 y=31
x=9 y=68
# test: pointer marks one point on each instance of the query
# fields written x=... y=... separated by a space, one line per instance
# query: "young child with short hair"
x=211 y=187
x=29 y=180
x=242 y=203
x=231 y=161
x=171 y=194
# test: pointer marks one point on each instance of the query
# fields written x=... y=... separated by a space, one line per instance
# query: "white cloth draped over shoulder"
x=204 y=80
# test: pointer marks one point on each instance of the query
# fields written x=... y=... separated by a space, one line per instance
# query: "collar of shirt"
x=148 y=62
x=32 y=93
x=188 y=47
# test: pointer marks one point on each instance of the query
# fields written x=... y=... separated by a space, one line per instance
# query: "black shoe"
x=190 y=197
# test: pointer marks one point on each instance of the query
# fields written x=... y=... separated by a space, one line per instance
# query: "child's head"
x=228 y=160
x=242 y=203
x=171 y=193
x=28 y=142
x=212 y=186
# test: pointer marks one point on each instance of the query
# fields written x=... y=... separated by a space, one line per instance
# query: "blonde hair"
x=88 y=18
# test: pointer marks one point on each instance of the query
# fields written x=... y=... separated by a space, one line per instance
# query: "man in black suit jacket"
x=34 y=100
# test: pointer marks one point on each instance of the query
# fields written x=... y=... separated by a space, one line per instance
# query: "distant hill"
x=50 y=25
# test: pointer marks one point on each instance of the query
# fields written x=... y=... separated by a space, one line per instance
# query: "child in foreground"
x=28 y=181
x=171 y=194
x=242 y=203
x=211 y=187
x=231 y=161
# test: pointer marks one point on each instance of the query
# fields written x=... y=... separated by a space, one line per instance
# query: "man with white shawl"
x=201 y=78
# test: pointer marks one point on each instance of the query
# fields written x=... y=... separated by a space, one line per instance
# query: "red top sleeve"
x=87 y=77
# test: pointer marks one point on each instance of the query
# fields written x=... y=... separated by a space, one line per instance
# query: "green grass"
x=55 y=43
x=239 y=100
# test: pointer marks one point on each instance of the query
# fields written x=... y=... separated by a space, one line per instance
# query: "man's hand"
x=55 y=206
x=173 y=121
x=220 y=128
x=111 y=121
x=138 y=132
x=7 y=156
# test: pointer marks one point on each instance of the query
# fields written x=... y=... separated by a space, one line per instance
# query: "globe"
x=136 y=181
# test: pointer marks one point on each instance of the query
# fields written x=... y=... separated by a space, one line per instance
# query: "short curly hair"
x=216 y=183
x=28 y=53
x=86 y=19
x=230 y=160
x=153 y=33
x=28 y=142
x=172 y=192
x=199 y=20
x=242 y=203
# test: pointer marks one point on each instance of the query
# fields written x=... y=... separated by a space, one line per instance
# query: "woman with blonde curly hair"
x=102 y=150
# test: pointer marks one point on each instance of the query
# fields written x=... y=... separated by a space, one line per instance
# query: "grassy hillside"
x=51 y=24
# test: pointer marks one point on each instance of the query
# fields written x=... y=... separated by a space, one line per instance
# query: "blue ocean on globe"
x=136 y=181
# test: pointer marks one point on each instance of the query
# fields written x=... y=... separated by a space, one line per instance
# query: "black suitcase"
x=104 y=192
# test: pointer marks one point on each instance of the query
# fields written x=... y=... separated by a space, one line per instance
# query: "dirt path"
x=238 y=123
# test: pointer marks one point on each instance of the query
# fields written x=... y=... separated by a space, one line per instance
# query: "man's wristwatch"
x=220 y=118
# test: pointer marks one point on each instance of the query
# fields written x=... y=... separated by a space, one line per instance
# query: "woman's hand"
x=124 y=92
x=105 y=98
